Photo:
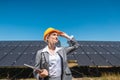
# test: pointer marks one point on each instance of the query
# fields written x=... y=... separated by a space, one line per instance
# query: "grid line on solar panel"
x=6 y=58
x=112 y=59
x=97 y=58
x=28 y=55
x=83 y=59
x=97 y=50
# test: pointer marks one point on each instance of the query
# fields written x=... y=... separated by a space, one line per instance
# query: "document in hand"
x=34 y=68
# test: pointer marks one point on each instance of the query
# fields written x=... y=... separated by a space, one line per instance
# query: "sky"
x=87 y=20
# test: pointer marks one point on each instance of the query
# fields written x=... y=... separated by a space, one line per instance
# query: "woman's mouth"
x=56 y=38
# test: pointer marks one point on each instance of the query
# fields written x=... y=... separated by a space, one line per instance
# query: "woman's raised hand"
x=65 y=35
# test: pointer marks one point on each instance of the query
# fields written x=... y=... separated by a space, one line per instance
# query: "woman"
x=52 y=60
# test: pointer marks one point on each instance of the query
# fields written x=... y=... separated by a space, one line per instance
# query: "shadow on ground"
x=79 y=72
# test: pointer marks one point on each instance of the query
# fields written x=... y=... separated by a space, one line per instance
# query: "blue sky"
x=89 y=20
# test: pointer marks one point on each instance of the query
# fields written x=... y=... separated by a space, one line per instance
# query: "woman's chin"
x=56 y=41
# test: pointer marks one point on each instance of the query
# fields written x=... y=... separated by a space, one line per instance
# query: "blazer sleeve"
x=73 y=44
x=37 y=64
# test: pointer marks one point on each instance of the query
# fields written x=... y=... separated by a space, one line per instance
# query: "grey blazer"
x=42 y=59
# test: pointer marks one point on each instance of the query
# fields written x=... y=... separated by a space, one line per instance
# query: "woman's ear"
x=47 y=38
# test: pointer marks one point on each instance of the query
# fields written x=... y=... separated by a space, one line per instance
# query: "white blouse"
x=54 y=63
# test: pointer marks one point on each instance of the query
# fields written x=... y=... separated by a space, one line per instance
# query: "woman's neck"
x=51 y=46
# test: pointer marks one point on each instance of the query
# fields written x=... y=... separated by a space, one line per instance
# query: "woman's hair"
x=46 y=40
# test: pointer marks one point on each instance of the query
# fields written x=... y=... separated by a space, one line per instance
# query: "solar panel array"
x=90 y=53
x=97 y=53
x=16 y=53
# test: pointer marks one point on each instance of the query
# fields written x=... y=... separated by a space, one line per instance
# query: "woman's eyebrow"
x=54 y=33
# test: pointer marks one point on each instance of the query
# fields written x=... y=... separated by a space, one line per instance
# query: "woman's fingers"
x=44 y=73
x=65 y=35
x=39 y=71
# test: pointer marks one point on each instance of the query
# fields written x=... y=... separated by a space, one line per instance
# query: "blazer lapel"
x=60 y=53
x=46 y=54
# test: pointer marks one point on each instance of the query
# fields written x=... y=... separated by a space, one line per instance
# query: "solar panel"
x=71 y=57
x=28 y=55
x=25 y=43
x=24 y=58
x=83 y=60
x=98 y=49
x=38 y=43
x=15 y=52
x=98 y=60
x=90 y=53
x=4 y=43
x=5 y=51
x=117 y=56
x=9 y=59
x=14 y=43
x=31 y=49
x=113 y=60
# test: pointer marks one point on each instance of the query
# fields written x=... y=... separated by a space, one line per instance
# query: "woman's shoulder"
x=61 y=48
x=39 y=51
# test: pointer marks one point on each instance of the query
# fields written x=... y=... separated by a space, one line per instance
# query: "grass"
x=106 y=73
x=105 y=76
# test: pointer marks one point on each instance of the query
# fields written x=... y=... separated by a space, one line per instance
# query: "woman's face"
x=53 y=38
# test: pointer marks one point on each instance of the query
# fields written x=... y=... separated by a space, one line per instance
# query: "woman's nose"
x=56 y=37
